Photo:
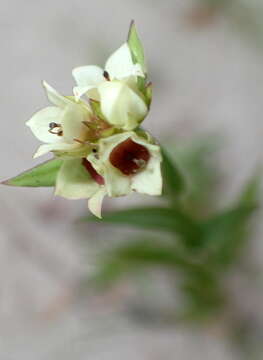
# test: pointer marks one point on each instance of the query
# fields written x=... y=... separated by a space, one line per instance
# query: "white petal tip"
x=95 y=202
x=44 y=83
x=76 y=69
x=99 y=216
x=46 y=86
x=95 y=213
x=76 y=93
x=95 y=209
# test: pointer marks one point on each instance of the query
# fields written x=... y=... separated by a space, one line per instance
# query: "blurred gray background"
x=208 y=77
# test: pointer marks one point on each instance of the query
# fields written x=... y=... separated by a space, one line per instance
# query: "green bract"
x=136 y=47
x=41 y=175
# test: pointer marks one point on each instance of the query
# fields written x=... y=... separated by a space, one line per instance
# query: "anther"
x=53 y=125
x=58 y=133
x=106 y=75
x=52 y=132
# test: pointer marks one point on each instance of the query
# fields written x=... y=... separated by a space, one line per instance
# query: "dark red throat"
x=129 y=157
x=93 y=173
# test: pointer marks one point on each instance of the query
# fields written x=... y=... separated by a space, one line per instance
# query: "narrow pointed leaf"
x=136 y=254
x=41 y=175
x=196 y=161
x=146 y=252
x=250 y=194
x=226 y=233
x=156 y=218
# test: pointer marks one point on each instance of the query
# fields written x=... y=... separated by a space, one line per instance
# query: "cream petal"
x=149 y=181
x=74 y=182
x=93 y=94
x=116 y=183
x=90 y=91
x=120 y=64
x=95 y=202
x=54 y=97
x=79 y=91
x=88 y=76
x=39 y=123
x=44 y=149
x=121 y=106
x=72 y=122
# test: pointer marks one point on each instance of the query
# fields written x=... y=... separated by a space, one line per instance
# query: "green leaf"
x=250 y=194
x=156 y=218
x=147 y=252
x=173 y=180
x=196 y=160
x=225 y=234
x=41 y=175
x=136 y=47
x=136 y=254
x=108 y=272
x=203 y=297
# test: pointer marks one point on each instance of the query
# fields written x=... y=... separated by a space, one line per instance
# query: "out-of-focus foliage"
x=204 y=243
x=245 y=16
x=199 y=175
x=173 y=179
x=158 y=218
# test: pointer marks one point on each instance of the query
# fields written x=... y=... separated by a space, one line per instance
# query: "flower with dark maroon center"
x=128 y=162
x=129 y=157
x=93 y=173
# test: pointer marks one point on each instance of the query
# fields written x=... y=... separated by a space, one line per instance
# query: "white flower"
x=128 y=162
x=61 y=126
x=116 y=88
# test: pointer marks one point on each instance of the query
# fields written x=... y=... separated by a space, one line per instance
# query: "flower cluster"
x=97 y=134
